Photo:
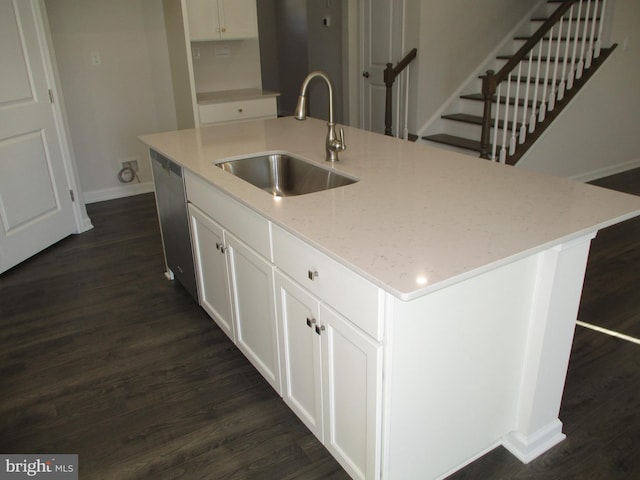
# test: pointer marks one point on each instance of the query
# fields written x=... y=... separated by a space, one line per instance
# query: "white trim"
x=117 y=192
x=606 y=171
x=82 y=220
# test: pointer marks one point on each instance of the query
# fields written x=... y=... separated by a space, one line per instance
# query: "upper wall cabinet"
x=222 y=19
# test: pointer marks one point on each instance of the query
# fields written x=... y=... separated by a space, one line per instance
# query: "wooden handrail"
x=390 y=75
x=532 y=42
x=491 y=80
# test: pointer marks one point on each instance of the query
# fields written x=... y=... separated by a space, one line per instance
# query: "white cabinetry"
x=251 y=279
x=222 y=19
x=332 y=377
x=237 y=110
x=298 y=312
x=211 y=268
x=327 y=365
x=235 y=279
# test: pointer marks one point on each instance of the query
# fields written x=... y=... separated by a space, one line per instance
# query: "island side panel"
x=453 y=368
x=557 y=299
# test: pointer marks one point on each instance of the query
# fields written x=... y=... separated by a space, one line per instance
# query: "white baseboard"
x=117 y=192
x=606 y=171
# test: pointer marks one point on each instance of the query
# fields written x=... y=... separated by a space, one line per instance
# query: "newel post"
x=488 y=92
x=388 y=81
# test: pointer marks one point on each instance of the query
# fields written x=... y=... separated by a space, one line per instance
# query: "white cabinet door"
x=204 y=20
x=332 y=378
x=352 y=391
x=252 y=286
x=222 y=19
x=298 y=313
x=238 y=19
x=211 y=268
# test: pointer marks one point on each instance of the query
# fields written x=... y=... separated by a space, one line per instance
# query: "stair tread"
x=534 y=58
x=562 y=39
x=573 y=19
x=477 y=120
x=525 y=79
x=454 y=141
x=464 y=117
x=479 y=97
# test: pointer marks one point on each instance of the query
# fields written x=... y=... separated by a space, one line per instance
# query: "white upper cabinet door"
x=222 y=19
x=204 y=21
x=35 y=200
x=239 y=19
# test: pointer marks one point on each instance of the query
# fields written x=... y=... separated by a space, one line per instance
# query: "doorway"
x=299 y=36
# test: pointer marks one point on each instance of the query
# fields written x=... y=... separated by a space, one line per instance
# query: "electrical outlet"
x=95 y=58
x=133 y=164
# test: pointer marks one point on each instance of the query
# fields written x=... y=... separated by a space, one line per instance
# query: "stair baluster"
x=589 y=59
x=574 y=54
x=534 y=108
x=495 y=127
x=545 y=85
x=525 y=119
x=565 y=60
x=488 y=89
x=598 y=47
x=552 y=95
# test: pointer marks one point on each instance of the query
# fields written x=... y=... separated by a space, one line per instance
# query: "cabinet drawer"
x=243 y=222
x=238 y=110
x=350 y=294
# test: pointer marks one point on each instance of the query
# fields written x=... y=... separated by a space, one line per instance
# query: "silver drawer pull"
x=310 y=321
x=320 y=329
x=313 y=275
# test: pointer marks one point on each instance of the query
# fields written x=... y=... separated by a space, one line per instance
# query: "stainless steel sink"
x=284 y=176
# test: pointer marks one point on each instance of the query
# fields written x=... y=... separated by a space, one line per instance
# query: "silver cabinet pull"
x=320 y=329
x=310 y=322
x=313 y=275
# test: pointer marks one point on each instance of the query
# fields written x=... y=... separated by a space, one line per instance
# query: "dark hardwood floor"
x=101 y=356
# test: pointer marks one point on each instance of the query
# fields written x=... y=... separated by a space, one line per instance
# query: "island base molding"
x=530 y=447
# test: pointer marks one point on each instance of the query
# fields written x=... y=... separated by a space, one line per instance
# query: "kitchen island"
x=456 y=281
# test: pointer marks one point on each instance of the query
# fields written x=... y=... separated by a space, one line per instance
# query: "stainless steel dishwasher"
x=171 y=201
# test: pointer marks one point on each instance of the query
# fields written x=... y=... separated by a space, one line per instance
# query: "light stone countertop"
x=419 y=218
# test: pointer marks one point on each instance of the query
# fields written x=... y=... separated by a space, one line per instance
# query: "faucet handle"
x=342 y=145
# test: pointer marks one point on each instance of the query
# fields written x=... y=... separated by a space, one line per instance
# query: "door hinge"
x=51 y=96
x=71 y=194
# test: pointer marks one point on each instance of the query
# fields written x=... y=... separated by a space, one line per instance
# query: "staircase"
x=505 y=112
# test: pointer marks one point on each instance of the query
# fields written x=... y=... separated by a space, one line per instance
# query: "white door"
x=35 y=200
x=381 y=44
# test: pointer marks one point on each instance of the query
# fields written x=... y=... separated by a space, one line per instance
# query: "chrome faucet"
x=333 y=143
